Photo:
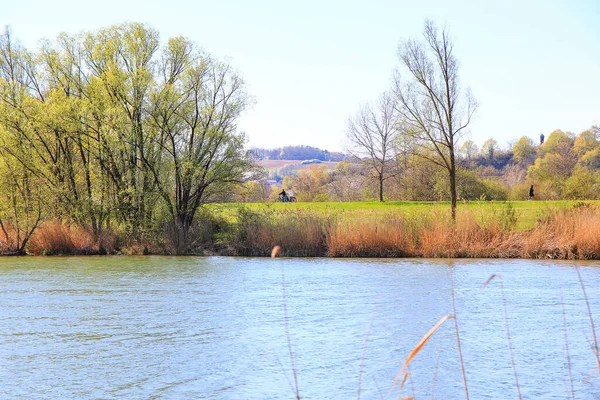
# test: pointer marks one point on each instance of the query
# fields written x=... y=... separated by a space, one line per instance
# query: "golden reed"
x=562 y=234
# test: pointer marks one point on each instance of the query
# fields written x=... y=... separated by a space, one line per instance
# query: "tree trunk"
x=453 y=190
x=381 y=187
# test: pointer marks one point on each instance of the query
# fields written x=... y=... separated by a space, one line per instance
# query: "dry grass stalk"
x=274 y=253
x=406 y=375
x=508 y=336
x=435 y=370
x=589 y=310
x=362 y=356
x=459 y=348
x=416 y=350
x=564 y=315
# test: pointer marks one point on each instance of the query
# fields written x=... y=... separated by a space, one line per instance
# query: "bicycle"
x=286 y=199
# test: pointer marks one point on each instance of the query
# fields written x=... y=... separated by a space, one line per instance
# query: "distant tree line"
x=297 y=153
x=565 y=166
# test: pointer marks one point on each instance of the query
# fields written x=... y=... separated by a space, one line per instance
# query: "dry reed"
x=414 y=352
x=458 y=343
x=298 y=232
x=60 y=238
x=561 y=234
x=590 y=316
x=567 y=352
x=507 y=327
x=274 y=253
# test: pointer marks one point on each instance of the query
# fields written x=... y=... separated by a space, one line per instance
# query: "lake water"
x=215 y=328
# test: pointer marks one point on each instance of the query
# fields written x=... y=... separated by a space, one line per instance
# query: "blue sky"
x=533 y=66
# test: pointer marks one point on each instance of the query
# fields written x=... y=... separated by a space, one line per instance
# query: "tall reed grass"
x=298 y=232
x=60 y=238
x=565 y=234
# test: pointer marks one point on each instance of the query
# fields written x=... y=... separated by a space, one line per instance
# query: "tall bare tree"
x=431 y=103
x=372 y=136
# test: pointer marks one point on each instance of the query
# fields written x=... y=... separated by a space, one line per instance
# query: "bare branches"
x=429 y=98
x=372 y=136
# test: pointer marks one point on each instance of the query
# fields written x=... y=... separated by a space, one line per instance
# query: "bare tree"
x=372 y=135
x=431 y=103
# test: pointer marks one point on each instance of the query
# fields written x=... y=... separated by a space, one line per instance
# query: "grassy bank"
x=561 y=229
x=528 y=213
x=568 y=230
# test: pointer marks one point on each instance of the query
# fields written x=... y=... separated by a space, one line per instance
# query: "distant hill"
x=300 y=153
x=294 y=164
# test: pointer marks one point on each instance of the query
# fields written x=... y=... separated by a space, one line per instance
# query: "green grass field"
x=528 y=213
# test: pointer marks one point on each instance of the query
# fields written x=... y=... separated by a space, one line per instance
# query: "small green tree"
x=524 y=151
x=582 y=184
x=586 y=141
x=193 y=149
x=489 y=149
x=469 y=150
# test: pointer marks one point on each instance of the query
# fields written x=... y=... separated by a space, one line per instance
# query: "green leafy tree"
x=586 y=141
x=311 y=183
x=524 y=151
x=591 y=159
x=193 y=149
x=117 y=129
x=557 y=142
x=469 y=150
x=489 y=148
x=582 y=184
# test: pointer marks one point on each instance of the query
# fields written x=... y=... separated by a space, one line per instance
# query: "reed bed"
x=371 y=235
x=300 y=233
x=561 y=233
x=60 y=238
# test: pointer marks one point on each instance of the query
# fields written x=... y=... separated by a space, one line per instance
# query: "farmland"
x=274 y=165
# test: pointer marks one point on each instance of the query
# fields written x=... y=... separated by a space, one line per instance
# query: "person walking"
x=531 y=193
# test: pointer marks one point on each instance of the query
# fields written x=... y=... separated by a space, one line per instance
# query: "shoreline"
x=490 y=231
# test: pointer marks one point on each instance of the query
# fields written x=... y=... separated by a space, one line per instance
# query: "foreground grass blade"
x=418 y=348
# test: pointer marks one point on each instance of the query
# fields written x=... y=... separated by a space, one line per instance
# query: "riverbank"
x=531 y=230
x=559 y=233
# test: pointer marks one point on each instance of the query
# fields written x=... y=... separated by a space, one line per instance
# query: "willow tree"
x=431 y=103
x=21 y=195
x=121 y=62
x=194 y=112
x=111 y=126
